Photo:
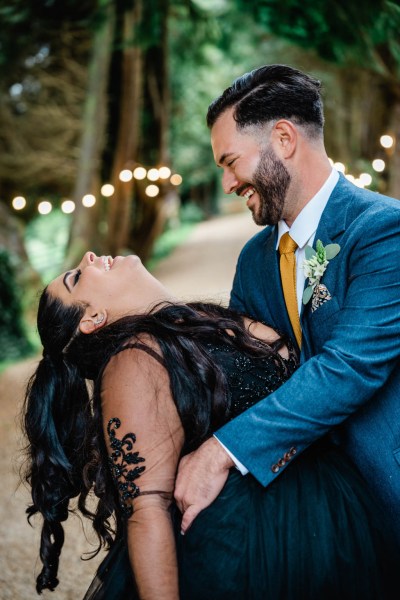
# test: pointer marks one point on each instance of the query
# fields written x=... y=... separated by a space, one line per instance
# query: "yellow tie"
x=287 y=248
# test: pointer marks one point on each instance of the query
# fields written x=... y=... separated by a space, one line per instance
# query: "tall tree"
x=127 y=105
x=149 y=211
x=141 y=120
x=363 y=39
x=42 y=72
x=84 y=232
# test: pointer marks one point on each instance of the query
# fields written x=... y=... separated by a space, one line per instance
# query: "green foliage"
x=27 y=24
x=210 y=43
x=13 y=339
x=342 y=31
x=219 y=44
x=46 y=240
x=191 y=213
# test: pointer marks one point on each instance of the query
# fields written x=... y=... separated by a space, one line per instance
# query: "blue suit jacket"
x=349 y=379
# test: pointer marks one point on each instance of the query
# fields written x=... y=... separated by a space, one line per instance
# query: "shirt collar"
x=306 y=223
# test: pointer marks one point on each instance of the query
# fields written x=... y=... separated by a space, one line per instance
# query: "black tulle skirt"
x=315 y=533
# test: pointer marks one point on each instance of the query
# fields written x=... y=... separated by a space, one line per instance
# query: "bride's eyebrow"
x=67 y=274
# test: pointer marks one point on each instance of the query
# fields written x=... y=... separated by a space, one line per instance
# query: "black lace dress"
x=315 y=533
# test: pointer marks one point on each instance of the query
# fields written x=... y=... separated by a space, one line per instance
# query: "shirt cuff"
x=238 y=464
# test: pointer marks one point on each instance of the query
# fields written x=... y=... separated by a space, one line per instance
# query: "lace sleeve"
x=144 y=436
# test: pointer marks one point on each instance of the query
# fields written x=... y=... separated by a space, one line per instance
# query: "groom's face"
x=251 y=168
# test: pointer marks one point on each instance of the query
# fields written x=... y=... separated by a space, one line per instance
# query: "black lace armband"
x=121 y=462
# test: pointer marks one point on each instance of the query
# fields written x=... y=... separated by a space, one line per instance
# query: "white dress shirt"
x=304 y=228
x=302 y=232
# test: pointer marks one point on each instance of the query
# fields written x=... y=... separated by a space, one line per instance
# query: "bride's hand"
x=201 y=476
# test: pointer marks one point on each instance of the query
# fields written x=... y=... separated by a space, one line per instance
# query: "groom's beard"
x=271 y=180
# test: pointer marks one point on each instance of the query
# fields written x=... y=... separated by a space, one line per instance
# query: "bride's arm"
x=144 y=436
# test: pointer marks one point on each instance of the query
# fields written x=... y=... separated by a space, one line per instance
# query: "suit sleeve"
x=354 y=363
x=144 y=437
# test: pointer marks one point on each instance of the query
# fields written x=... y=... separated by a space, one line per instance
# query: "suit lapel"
x=334 y=217
x=329 y=231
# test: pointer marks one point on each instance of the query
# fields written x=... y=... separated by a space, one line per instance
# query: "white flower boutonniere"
x=314 y=267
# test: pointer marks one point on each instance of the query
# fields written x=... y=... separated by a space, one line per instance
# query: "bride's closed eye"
x=76 y=276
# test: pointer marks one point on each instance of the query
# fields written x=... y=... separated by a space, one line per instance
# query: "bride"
x=165 y=376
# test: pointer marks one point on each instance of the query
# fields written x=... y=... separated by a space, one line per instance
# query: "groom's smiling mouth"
x=249 y=193
x=245 y=191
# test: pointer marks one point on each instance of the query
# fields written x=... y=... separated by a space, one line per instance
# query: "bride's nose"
x=88 y=259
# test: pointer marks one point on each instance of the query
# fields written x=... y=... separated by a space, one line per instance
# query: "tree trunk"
x=84 y=231
x=126 y=151
x=151 y=213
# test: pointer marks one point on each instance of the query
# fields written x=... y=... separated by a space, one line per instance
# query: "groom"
x=267 y=137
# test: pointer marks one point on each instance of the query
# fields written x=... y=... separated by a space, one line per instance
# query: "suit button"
x=275 y=468
x=293 y=451
x=281 y=462
x=287 y=456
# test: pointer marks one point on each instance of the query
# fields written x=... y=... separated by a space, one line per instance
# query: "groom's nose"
x=229 y=182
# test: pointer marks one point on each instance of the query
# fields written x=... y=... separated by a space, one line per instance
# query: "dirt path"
x=202 y=268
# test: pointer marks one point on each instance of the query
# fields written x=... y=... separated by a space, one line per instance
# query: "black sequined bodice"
x=251 y=378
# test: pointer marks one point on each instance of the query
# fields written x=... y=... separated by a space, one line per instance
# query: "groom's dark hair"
x=269 y=93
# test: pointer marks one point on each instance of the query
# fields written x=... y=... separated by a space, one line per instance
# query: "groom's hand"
x=201 y=476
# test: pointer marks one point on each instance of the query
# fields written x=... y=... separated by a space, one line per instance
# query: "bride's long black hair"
x=66 y=454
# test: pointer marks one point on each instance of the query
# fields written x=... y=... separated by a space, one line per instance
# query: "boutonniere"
x=314 y=266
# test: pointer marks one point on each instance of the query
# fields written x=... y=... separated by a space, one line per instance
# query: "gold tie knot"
x=286 y=244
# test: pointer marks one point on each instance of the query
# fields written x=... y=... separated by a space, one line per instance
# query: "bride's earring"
x=99 y=320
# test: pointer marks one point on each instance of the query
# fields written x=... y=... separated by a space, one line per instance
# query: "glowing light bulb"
x=107 y=190
x=366 y=178
x=88 y=200
x=126 y=175
x=164 y=172
x=386 y=141
x=44 y=207
x=68 y=206
x=139 y=173
x=152 y=191
x=339 y=167
x=153 y=174
x=176 y=179
x=378 y=165
x=19 y=202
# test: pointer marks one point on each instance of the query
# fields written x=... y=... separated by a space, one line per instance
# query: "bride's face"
x=118 y=286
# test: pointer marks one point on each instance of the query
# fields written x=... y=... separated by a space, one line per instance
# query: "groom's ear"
x=92 y=320
x=285 y=136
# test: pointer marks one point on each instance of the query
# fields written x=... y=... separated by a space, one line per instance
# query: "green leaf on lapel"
x=308 y=292
x=331 y=251
x=310 y=252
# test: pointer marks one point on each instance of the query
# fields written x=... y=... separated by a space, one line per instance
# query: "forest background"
x=97 y=95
